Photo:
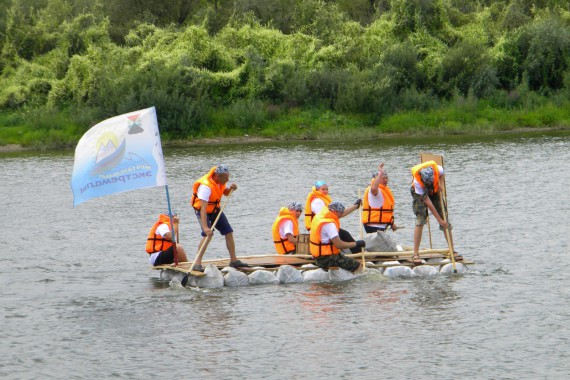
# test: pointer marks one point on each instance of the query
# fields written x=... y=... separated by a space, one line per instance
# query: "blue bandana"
x=318 y=184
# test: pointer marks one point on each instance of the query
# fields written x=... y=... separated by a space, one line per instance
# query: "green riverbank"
x=57 y=131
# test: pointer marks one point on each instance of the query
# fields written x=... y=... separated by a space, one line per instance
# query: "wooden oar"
x=447 y=231
x=205 y=243
x=429 y=232
x=361 y=233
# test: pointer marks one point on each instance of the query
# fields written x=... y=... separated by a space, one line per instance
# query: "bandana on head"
x=295 y=206
x=336 y=207
x=222 y=169
x=427 y=176
x=319 y=184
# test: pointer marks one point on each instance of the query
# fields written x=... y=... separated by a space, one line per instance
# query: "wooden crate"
x=303 y=245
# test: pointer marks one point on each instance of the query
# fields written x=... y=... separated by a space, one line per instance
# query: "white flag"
x=119 y=154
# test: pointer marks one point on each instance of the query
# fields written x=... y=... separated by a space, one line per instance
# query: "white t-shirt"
x=316 y=205
x=204 y=193
x=376 y=201
x=328 y=232
x=418 y=188
x=161 y=230
x=285 y=227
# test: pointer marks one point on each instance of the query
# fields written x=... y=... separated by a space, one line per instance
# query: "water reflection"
x=321 y=300
x=435 y=293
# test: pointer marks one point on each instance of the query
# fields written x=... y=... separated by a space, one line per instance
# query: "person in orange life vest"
x=425 y=192
x=159 y=242
x=319 y=198
x=285 y=229
x=378 y=204
x=207 y=193
x=326 y=243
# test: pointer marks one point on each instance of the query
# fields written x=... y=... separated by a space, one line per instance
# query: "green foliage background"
x=283 y=68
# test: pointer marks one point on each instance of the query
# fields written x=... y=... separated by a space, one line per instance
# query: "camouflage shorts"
x=420 y=208
x=339 y=260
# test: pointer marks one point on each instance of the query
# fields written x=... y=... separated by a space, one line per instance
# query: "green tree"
x=413 y=15
x=546 y=59
x=467 y=67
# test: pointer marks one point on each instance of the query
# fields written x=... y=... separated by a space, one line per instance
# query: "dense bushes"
x=237 y=66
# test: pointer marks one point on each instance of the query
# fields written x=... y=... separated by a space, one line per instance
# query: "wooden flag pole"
x=173 y=233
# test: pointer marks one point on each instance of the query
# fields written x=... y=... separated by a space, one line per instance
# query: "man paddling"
x=207 y=193
x=325 y=242
x=425 y=192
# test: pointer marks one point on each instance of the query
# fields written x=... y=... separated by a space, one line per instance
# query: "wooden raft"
x=273 y=262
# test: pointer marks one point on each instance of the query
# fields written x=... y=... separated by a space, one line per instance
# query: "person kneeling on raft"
x=325 y=242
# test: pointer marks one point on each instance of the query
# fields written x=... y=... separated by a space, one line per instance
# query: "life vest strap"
x=320 y=245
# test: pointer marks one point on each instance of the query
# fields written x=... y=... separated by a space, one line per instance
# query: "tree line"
x=240 y=65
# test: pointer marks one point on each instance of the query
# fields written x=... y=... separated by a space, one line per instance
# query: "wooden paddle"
x=429 y=233
x=361 y=233
x=205 y=243
x=447 y=230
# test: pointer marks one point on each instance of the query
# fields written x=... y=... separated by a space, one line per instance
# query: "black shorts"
x=223 y=226
x=370 y=229
x=165 y=257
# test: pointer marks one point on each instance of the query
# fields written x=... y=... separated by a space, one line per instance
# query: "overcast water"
x=79 y=301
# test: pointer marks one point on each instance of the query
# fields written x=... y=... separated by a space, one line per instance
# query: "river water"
x=79 y=301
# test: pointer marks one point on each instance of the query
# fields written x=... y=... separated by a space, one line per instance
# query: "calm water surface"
x=78 y=300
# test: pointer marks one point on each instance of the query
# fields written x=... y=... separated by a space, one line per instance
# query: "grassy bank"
x=51 y=130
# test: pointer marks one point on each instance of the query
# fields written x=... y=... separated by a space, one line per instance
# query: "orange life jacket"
x=417 y=176
x=385 y=214
x=317 y=247
x=309 y=215
x=215 y=196
x=155 y=242
x=282 y=245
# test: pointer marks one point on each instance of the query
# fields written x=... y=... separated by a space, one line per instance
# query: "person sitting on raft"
x=378 y=204
x=285 y=229
x=159 y=244
x=325 y=242
x=319 y=198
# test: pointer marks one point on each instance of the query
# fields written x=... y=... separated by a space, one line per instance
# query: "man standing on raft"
x=425 y=192
x=207 y=193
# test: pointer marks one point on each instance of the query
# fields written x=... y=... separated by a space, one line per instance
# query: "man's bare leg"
x=231 y=245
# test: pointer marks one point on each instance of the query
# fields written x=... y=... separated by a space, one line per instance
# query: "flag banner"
x=119 y=154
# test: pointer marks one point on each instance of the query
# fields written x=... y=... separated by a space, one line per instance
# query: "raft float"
x=282 y=269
